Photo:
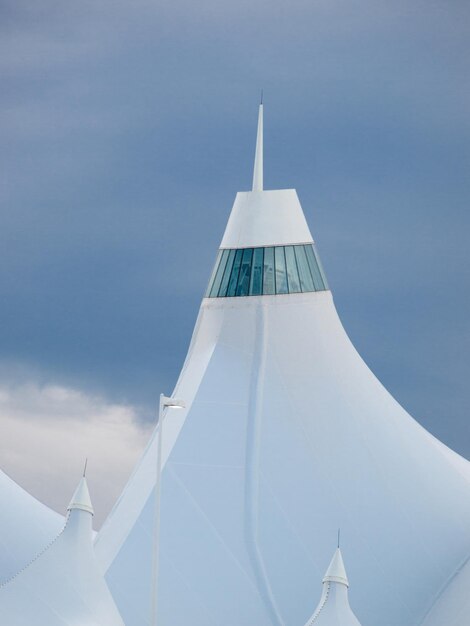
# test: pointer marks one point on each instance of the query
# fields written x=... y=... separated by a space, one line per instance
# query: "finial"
x=258 y=167
x=336 y=572
x=84 y=469
x=339 y=535
x=81 y=498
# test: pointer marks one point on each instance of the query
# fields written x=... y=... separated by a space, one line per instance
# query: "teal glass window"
x=269 y=285
x=266 y=271
x=218 y=275
x=226 y=276
x=281 y=275
x=305 y=275
x=320 y=266
x=256 y=286
x=292 y=271
x=214 y=272
x=233 y=282
x=316 y=274
x=245 y=272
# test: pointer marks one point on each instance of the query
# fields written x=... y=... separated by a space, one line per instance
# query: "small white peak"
x=81 y=498
x=258 y=167
x=336 y=571
x=333 y=608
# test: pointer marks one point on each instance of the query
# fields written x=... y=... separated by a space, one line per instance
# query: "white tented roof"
x=266 y=218
x=333 y=608
x=336 y=571
x=63 y=585
x=26 y=525
x=451 y=607
x=286 y=434
x=81 y=498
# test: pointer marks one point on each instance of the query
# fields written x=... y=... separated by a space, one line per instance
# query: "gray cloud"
x=49 y=431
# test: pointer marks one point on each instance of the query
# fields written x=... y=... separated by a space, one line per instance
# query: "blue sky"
x=126 y=130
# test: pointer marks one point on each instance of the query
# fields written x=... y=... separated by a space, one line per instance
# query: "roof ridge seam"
x=443 y=589
x=321 y=607
x=36 y=557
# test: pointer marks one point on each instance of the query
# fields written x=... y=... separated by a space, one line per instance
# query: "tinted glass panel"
x=256 y=285
x=320 y=267
x=272 y=270
x=292 y=273
x=232 y=284
x=219 y=274
x=245 y=273
x=216 y=266
x=227 y=272
x=281 y=276
x=306 y=281
x=317 y=279
x=268 y=274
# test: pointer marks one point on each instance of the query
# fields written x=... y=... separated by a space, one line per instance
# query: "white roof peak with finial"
x=333 y=608
x=81 y=498
x=336 y=571
x=63 y=584
x=261 y=218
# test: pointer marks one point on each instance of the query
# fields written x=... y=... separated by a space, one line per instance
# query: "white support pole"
x=163 y=404
x=156 y=530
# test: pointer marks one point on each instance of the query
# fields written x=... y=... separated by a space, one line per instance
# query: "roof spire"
x=333 y=608
x=336 y=571
x=258 y=168
x=81 y=498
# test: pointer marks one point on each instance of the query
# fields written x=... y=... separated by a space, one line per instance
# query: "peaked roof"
x=260 y=217
x=336 y=571
x=280 y=408
x=63 y=585
x=266 y=218
x=81 y=498
x=333 y=608
x=26 y=525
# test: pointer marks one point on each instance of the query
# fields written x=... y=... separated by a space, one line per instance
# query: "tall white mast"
x=258 y=167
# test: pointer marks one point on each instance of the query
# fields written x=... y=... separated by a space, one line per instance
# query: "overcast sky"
x=126 y=128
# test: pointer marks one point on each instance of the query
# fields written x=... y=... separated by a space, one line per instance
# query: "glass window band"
x=266 y=271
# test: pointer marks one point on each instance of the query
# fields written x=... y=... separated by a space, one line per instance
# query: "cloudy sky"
x=126 y=129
